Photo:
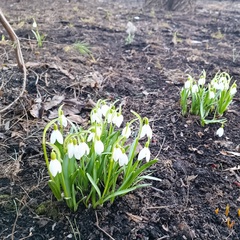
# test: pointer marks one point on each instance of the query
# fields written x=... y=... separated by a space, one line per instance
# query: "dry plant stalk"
x=19 y=57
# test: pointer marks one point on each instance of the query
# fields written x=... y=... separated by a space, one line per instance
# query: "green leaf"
x=125 y=191
x=55 y=189
x=151 y=178
x=94 y=185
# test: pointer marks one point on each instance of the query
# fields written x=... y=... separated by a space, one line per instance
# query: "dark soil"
x=196 y=167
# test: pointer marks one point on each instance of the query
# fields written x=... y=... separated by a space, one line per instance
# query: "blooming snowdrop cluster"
x=85 y=164
x=208 y=100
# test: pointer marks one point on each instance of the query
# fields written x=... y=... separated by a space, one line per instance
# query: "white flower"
x=131 y=29
x=144 y=153
x=117 y=119
x=91 y=136
x=220 y=86
x=123 y=159
x=194 y=88
x=126 y=132
x=80 y=150
x=34 y=25
x=55 y=167
x=96 y=116
x=116 y=153
x=120 y=156
x=187 y=84
x=56 y=136
x=146 y=130
x=104 y=109
x=63 y=120
x=110 y=116
x=201 y=81
x=98 y=147
x=211 y=94
x=70 y=148
x=220 y=132
x=233 y=90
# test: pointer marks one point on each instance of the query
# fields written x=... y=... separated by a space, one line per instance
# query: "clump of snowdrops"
x=97 y=164
x=210 y=100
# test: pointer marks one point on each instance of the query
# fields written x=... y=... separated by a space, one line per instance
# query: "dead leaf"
x=192 y=177
x=136 y=218
x=54 y=102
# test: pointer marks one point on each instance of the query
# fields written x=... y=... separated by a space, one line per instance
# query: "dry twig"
x=19 y=57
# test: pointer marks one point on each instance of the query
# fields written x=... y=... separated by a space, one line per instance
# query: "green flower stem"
x=108 y=178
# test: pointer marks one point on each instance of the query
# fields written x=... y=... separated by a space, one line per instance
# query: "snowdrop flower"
x=55 y=166
x=220 y=86
x=98 y=146
x=194 y=88
x=120 y=156
x=126 y=132
x=123 y=159
x=104 y=109
x=110 y=115
x=201 y=81
x=131 y=29
x=91 y=136
x=233 y=89
x=220 y=132
x=187 y=84
x=80 y=150
x=34 y=25
x=211 y=94
x=56 y=135
x=70 y=149
x=116 y=153
x=63 y=120
x=117 y=119
x=144 y=153
x=96 y=116
x=146 y=130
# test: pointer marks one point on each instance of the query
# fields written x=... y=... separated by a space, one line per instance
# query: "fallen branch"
x=19 y=57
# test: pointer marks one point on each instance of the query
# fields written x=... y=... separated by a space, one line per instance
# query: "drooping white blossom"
x=144 y=153
x=220 y=132
x=55 y=166
x=56 y=135
x=117 y=119
x=146 y=130
x=126 y=132
x=98 y=147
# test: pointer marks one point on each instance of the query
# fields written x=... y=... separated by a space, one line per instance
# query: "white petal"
x=70 y=148
x=116 y=153
x=123 y=160
x=211 y=94
x=146 y=130
x=233 y=90
x=91 y=136
x=117 y=120
x=109 y=117
x=201 y=81
x=78 y=152
x=104 y=109
x=126 y=132
x=220 y=132
x=144 y=153
x=85 y=147
x=55 y=167
x=63 y=120
x=56 y=136
x=194 y=88
x=187 y=84
x=98 y=147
